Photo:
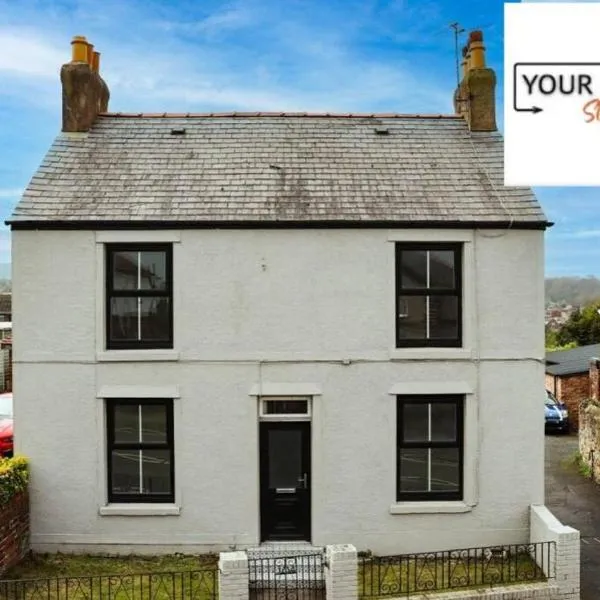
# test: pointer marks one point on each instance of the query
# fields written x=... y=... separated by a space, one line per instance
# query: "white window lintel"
x=138 y=391
x=137 y=237
x=442 y=388
x=284 y=389
x=428 y=236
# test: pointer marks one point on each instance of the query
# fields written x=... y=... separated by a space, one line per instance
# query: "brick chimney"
x=475 y=97
x=84 y=92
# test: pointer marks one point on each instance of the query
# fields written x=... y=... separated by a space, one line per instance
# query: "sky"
x=218 y=55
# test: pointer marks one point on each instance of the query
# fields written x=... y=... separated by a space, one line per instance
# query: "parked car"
x=6 y=425
x=556 y=414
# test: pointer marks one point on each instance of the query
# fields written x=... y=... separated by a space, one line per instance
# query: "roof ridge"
x=280 y=114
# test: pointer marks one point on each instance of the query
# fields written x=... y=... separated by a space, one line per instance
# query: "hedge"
x=14 y=476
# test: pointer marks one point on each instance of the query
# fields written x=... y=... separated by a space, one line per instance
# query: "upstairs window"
x=428 y=295
x=139 y=302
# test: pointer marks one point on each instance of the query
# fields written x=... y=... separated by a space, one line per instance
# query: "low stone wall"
x=564 y=564
x=589 y=436
x=341 y=570
x=529 y=591
x=589 y=423
x=14 y=531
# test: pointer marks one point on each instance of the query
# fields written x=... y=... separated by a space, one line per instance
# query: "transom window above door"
x=428 y=295
x=139 y=296
x=295 y=408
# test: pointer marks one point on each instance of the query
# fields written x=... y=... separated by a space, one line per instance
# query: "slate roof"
x=273 y=168
x=571 y=362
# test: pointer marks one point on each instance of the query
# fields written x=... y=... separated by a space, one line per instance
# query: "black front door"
x=285 y=481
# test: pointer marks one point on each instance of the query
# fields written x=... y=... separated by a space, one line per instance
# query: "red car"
x=6 y=425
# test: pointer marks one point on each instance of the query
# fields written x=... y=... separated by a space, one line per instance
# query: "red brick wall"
x=14 y=531
x=550 y=383
x=572 y=389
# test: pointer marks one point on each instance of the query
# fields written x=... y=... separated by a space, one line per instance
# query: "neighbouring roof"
x=5 y=304
x=570 y=362
x=277 y=168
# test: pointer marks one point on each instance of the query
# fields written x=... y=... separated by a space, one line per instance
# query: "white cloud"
x=587 y=233
x=27 y=53
x=229 y=18
x=291 y=59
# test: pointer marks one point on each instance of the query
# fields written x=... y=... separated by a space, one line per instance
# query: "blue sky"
x=185 y=55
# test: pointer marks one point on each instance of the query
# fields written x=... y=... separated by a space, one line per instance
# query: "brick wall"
x=341 y=572
x=551 y=383
x=572 y=389
x=233 y=576
x=14 y=531
x=565 y=561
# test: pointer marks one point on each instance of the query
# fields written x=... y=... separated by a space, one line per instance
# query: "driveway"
x=575 y=501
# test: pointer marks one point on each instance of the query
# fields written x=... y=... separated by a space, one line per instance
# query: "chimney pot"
x=79 y=49
x=90 y=54
x=96 y=62
x=476 y=36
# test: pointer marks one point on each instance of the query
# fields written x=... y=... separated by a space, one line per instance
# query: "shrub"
x=14 y=476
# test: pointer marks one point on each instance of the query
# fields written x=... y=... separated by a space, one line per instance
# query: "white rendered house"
x=278 y=327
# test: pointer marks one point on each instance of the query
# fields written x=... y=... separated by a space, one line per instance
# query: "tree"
x=552 y=343
x=582 y=327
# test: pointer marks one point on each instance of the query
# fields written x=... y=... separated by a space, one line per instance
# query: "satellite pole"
x=457 y=31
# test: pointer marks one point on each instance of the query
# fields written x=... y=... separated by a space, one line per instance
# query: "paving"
x=575 y=501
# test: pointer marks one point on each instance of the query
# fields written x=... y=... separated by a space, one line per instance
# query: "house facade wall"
x=281 y=309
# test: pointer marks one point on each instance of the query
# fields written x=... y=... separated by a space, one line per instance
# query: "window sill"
x=431 y=354
x=137 y=355
x=139 y=510
x=437 y=507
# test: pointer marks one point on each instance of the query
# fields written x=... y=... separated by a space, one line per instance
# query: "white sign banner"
x=552 y=94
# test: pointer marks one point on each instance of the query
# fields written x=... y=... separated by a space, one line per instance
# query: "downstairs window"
x=429 y=448
x=140 y=449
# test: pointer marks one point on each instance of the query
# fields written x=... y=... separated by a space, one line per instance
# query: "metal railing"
x=201 y=584
x=380 y=576
x=287 y=577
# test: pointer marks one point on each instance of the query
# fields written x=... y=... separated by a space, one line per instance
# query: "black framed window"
x=139 y=296
x=429 y=448
x=428 y=295
x=141 y=451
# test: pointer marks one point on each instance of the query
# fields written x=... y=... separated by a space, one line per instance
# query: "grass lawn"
x=381 y=578
x=84 y=577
